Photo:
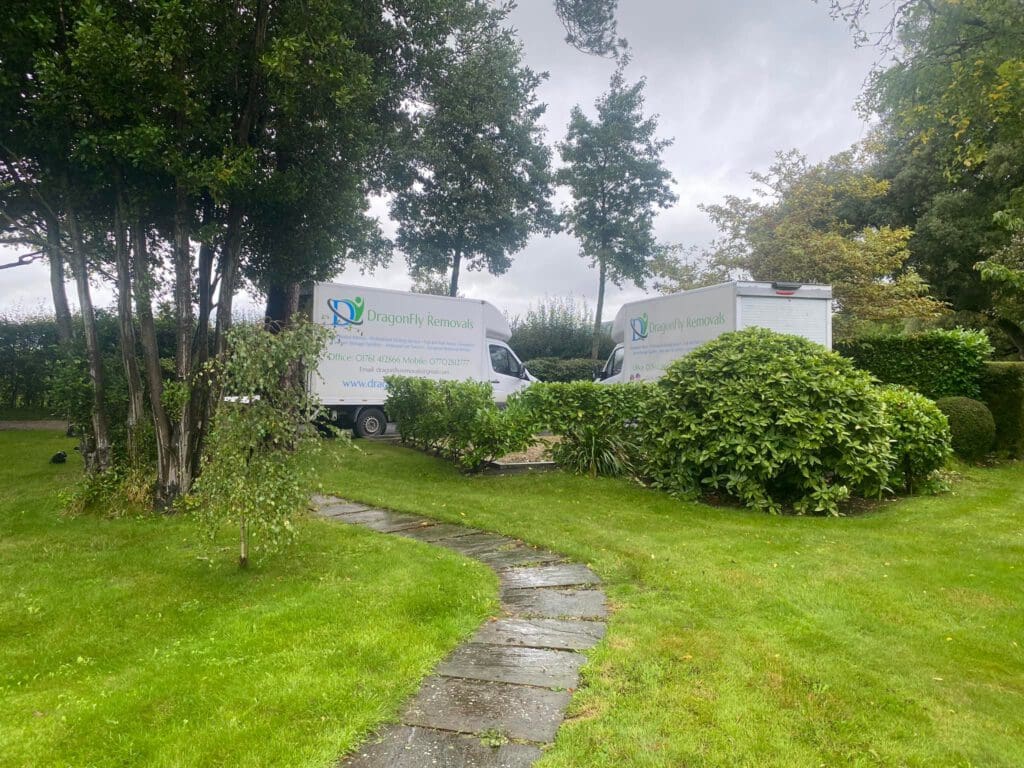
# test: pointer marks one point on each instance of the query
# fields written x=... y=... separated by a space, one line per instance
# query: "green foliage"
x=614 y=172
x=557 y=328
x=1002 y=389
x=599 y=425
x=554 y=369
x=772 y=420
x=481 y=170
x=458 y=419
x=971 y=424
x=800 y=230
x=920 y=436
x=28 y=348
x=935 y=363
x=257 y=471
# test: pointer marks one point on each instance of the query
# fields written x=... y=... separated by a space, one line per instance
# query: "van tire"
x=371 y=422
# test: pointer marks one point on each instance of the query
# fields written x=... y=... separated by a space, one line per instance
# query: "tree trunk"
x=126 y=332
x=227 y=277
x=97 y=455
x=55 y=255
x=282 y=306
x=166 y=469
x=184 y=323
x=595 y=348
x=1014 y=332
x=453 y=286
x=243 y=544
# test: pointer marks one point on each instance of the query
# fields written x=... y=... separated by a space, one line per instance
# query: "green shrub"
x=458 y=419
x=935 y=363
x=559 y=328
x=972 y=425
x=772 y=420
x=600 y=425
x=920 y=436
x=554 y=369
x=1002 y=389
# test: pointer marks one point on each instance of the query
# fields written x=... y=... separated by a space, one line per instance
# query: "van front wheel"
x=371 y=422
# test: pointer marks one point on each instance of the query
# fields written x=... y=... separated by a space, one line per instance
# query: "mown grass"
x=134 y=642
x=893 y=638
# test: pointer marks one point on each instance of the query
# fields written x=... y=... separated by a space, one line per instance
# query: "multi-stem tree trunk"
x=282 y=306
x=55 y=256
x=183 y=435
x=97 y=454
x=595 y=347
x=166 y=468
x=126 y=333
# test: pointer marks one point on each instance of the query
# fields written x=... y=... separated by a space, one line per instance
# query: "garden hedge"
x=555 y=369
x=920 y=436
x=936 y=363
x=1002 y=390
x=972 y=425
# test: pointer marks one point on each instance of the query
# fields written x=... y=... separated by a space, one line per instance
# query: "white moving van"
x=378 y=333
x=652 y=333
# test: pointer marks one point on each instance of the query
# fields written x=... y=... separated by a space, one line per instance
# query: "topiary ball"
x=972 y=425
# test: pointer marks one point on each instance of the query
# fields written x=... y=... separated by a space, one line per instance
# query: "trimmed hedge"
x=555 y=369
x=458 y=419
x=920 y=436
x=1002 y=390
x=935 y=363
x=972 y=425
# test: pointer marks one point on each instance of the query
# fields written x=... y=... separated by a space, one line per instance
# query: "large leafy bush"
x=920 y=436
x=772 y=420
x=600 y=425
x=458 y=419
x=558 y=328
x=972 y=425
x=935 y=363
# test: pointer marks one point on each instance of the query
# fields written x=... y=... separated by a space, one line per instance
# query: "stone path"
x=500 y=696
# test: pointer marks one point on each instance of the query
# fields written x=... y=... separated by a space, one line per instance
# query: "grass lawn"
x=134 y=642
x=894 y=638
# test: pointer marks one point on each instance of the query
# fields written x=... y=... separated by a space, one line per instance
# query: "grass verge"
x=894 y=638
x=133 y=642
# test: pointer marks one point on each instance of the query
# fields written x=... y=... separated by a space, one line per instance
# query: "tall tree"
x=804 y=228
x=481 y=174
x=614 y=172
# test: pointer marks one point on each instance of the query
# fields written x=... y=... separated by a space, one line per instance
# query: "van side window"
x=617 y=361
x=502 y=361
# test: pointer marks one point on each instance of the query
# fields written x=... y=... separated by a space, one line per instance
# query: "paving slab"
x=514 y=664
x=473 y=706
x=434 y=532
x=517 y=557
x=555 y=603
x=569 y=575
x=381 y=520
x=322 y=501
x=542 y=633
x=478 y=543
x=339 y=508
x=402 y=746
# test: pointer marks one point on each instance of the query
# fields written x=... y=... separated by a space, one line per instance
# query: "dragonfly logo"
x=639 y=327
x=346 y=311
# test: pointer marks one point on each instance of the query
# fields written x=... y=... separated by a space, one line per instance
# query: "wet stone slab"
x=473 y=706
x=542 y=633
x=382 y=521
x=517 y=557
x=407 y=747
x=513 y=664
x=570 y=575
x=555 y=603
x=434 y=533
x=340 y=508
x=479 y=543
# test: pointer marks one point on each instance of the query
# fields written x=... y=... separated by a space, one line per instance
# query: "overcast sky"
x=733 y=81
